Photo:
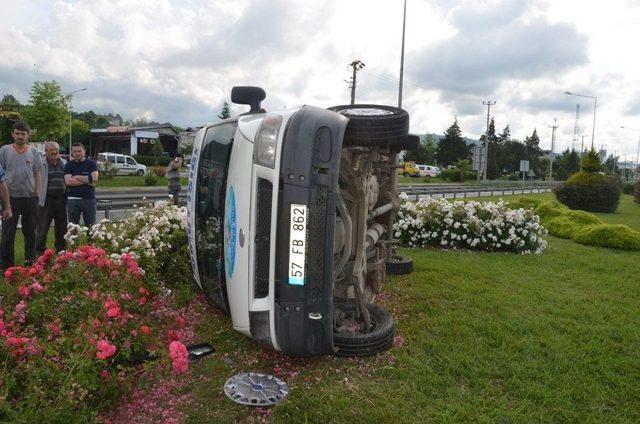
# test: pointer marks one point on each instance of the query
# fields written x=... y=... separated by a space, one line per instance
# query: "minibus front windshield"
x=213 y=166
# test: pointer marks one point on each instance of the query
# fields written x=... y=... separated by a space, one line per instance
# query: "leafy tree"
x=452 y=147
x=567 y=164
x=47 y=112
x=157 y=150
x=226 y=112
x=426 y=151
x=10 y=103
x=81 y=132
x=610 y=164
x=463 y=166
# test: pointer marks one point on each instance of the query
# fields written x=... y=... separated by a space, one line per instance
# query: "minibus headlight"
x=264 y=148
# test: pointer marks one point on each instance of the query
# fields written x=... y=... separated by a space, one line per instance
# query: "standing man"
x=4 y=196
x=53 y=199
x=81 y=176
x=173 y=177
x=23 y=167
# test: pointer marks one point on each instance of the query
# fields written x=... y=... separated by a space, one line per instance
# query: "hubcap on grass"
x=256 y=389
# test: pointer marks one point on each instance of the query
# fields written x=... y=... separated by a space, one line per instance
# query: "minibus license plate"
x=297 y=244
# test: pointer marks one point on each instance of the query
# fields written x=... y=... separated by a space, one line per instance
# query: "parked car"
x=125 y=165
x=408 y=169
x=428 y=171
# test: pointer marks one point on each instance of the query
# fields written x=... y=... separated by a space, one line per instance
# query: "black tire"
x=406 y=174
x=379 y=339
x=371 y=125
x=140 y=172
x=399 y=265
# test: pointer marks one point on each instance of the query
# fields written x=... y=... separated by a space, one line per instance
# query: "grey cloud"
x=560 y=102
x=633 y=106
x=481 y=16
x=477 y=59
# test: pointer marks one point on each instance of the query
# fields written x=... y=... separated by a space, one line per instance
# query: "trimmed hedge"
x=549 y=210
x=524 y=203
x=628 y=188
x=582 y=217
x=562 y=226
x=453 y=175
x=609 y=235
x=590 y=192
x=151 y=160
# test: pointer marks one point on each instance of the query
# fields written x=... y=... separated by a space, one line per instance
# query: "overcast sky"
x=176 y=60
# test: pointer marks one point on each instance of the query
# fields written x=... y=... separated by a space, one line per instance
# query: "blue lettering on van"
x=230 y=232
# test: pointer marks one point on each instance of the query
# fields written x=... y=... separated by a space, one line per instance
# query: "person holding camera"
x=173 y=178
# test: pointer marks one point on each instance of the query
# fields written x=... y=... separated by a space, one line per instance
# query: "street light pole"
x=595 y=105
x=70 y=118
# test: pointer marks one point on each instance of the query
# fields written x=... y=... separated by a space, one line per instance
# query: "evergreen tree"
x=591 y=162
x=226 y=112
x=493 y=166
x=505 y=136
x=47 y=113
x=533 y=153
x=452 y=147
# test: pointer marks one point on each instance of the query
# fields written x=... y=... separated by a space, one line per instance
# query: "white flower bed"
x=469 y=225
x=144 y=234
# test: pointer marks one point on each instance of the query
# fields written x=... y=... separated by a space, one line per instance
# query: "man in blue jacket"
x=81 y=176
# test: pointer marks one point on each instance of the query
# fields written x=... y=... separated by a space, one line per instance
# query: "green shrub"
x=151 y=160
x=549 y=210
x=524 y=203
x=562 y=226
x=582 y=217
x=160 y=171
x=590 y=192
x=150 y=179
x=453 y=175
x=628 y=188
x=636 y=194
x=586 y=178
x=609 y=235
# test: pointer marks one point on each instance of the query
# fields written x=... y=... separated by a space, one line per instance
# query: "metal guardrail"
x=458 y=192
x=110 y=200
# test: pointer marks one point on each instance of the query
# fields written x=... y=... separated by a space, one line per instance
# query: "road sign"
x=524 y=166
x=479 y=158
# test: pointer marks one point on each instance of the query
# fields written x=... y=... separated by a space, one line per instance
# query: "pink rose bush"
x=74 y=328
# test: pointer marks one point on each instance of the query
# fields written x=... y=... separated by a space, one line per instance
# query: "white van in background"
x=125 y=165
x=428 y=170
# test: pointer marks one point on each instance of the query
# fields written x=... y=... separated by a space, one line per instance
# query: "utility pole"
x=576 y=128
x=356 y=65
x=488 y=103
x=553 y=143
x=404 y=21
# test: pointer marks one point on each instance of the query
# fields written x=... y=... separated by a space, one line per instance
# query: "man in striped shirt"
x=52 y=200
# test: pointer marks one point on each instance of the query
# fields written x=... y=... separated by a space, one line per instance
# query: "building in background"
x=134 y=140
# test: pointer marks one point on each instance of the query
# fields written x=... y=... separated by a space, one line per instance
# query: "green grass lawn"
x=482 y=337
x=133 y=181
